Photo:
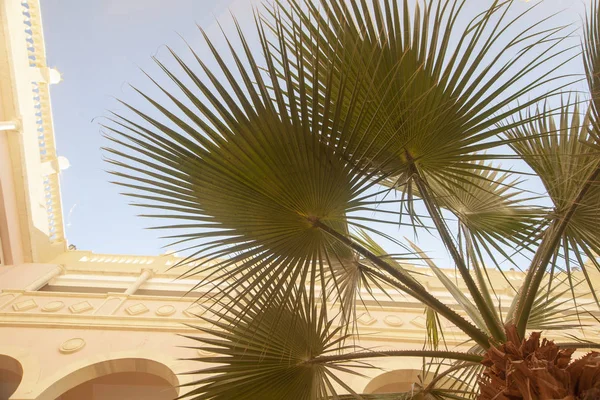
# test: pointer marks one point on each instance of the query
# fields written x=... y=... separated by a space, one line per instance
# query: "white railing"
x=43 y=117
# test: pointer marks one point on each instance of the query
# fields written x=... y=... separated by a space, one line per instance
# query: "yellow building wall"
x=67 y=337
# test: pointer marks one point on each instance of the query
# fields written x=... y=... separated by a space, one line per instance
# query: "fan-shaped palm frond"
x=268 y=165
x=490 y=206
x=568 y=167
x=287 y=348
x=246 y=171
x=441 y=104
x=559 y=154
x=577 y=204
x=263 y=352
x=494 y=217
x=260 y=176
x=555 y=308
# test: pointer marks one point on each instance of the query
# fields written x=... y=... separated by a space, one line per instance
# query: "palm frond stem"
x=489 y=315
x=454 y=355
x=578 y=345
x=417 y=290
x=551 y=239
x=445 y=373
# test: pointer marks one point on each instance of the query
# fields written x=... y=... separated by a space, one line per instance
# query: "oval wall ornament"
x=165 y=311
x=53 y=306
x=72 y=345
x=393 y=320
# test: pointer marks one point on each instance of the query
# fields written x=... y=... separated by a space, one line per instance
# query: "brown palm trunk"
x=535 y=369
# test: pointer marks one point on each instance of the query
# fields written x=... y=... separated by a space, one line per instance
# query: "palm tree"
x=277 y=165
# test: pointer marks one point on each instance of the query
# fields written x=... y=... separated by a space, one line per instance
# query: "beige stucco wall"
x=63 y=338
x=113 y=326
x=31 y=228
x=23 y=275
x=49 y=371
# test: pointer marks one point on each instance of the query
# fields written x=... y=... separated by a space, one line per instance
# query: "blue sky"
x=99 y=46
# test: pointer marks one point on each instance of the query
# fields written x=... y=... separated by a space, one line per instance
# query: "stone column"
x=144 y=276
x=44 y=279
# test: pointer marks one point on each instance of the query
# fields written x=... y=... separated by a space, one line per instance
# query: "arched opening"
x=400 y=380
x=11 y=373
x=124 y=386
x=123 y=379
x=405 y=380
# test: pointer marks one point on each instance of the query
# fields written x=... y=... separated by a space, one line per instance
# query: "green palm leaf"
x=262 y=352
x=555 y=308
x=265 y=165
x=559 y=153
x=265 y=189
x=438 y=106
x=244 y=173
x=575 y=237
x=441 y=103
x=494 y=218
x=490 y=206
x=279 y=350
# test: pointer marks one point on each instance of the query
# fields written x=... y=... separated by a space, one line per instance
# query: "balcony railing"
x=36 y=51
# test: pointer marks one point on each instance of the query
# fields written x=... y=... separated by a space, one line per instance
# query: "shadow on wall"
x=11 y=373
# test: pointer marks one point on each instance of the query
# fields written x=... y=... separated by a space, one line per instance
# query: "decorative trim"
x=419 y=322
x=137 y=309
x=81 y=307
x=7 y=298
x=165 y=311
x=195 y=311
x=393 y=320
x=366 y=319
x=72 y=345
x=25 y=305
x=34 y=42
x=53 y=306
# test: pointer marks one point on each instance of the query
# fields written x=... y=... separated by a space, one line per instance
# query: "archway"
x=124 y=386
x=124 y=379
x=400 y=380
x=404 y=380
x=11 y=373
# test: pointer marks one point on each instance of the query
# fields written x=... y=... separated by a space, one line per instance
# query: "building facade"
x=79 y=325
